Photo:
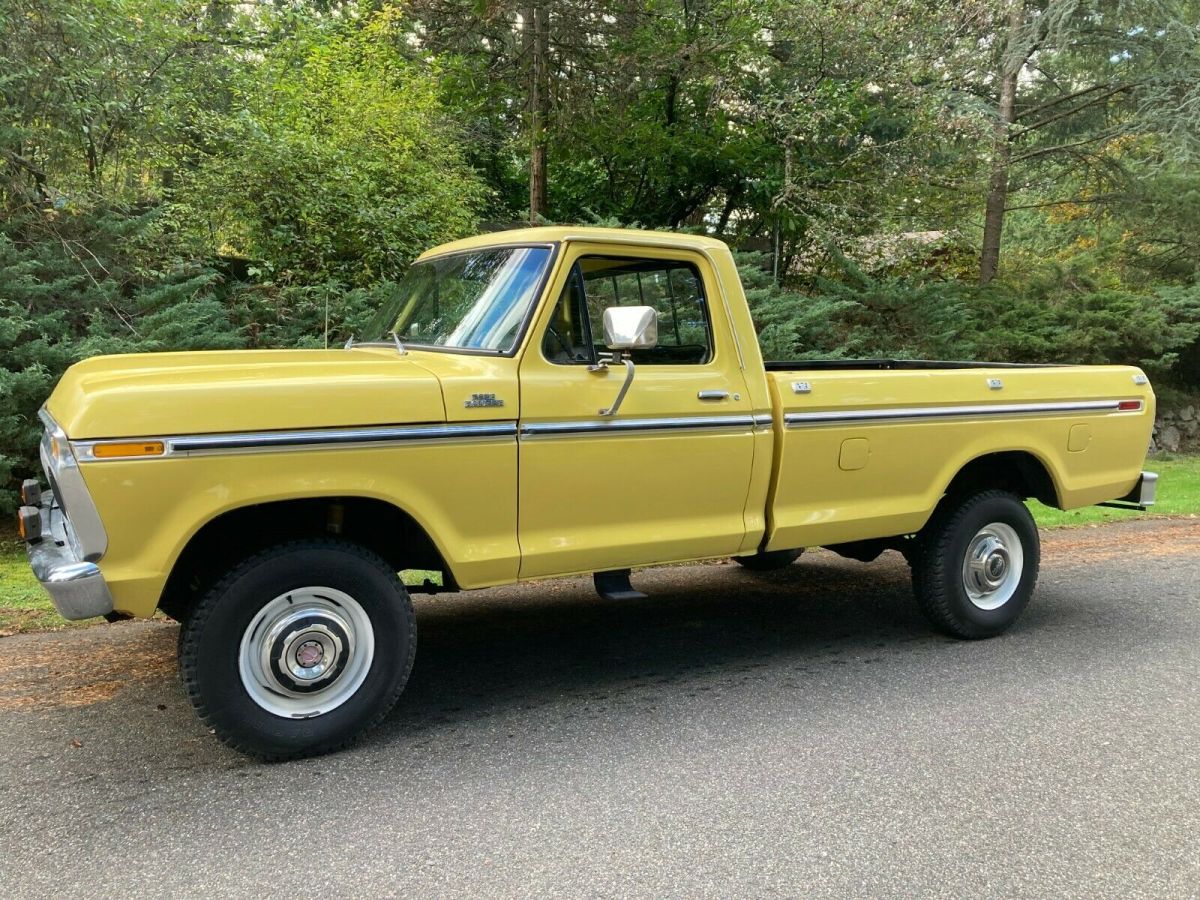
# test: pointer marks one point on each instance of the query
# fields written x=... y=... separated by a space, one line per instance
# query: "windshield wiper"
x=400 y=349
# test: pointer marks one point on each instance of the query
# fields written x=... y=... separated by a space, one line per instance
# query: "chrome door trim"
x=604 y=427
x=920 y=413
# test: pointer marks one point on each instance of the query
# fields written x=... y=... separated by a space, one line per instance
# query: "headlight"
x=82 y=521
x=56 y=454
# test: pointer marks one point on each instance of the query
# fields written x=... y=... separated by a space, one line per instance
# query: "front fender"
x=463 y=494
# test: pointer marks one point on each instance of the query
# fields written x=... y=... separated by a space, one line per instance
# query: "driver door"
x=665 y=479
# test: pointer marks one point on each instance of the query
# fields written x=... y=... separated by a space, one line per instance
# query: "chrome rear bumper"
x=1143 y=491
x=76 y=587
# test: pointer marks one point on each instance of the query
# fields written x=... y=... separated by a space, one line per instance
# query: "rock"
x=1169 y=439
x=1188 y=413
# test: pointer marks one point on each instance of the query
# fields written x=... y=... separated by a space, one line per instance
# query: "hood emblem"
x=479 y=401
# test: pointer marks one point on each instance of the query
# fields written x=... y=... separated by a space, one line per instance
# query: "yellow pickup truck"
x=531 y=404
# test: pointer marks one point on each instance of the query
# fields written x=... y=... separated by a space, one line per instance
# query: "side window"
x=673 y=288
x=568 y=338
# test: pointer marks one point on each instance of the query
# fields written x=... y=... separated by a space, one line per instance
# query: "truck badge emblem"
x=801 y=387
x=479 y=401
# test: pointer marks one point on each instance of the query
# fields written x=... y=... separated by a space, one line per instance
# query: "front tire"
x=976 y=564
x=299 y=650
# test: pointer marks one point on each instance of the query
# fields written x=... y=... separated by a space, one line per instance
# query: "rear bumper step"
x=1142 y=495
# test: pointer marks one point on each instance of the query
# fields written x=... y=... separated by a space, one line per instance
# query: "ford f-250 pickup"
x=532 y=404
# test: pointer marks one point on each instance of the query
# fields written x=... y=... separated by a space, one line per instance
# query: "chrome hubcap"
x=993 y=566
x=306 y=652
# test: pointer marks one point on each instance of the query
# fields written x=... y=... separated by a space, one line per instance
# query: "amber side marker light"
x=29 y=523
x=128 y=448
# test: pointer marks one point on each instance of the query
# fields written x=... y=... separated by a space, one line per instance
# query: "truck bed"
x=867 y=447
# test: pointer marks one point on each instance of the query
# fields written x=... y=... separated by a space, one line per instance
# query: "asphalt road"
x=796 y=734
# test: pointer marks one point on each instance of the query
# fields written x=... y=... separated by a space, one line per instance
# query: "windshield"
x=476 y=300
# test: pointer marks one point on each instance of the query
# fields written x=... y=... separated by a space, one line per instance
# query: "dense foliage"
x=1006 y=179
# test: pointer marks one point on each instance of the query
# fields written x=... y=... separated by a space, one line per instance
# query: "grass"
x=24 y=607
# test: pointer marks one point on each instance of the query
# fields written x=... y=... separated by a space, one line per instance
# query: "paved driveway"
x=801 y=733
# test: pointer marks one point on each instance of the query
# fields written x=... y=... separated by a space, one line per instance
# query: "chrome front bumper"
x=76 y=586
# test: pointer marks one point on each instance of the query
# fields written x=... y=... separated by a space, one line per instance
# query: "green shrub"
x=340 y=165
x=1056 y=317
x=75 y=284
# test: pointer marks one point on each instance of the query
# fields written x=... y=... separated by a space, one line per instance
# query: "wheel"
x=768 y=561
x=299 y=650
x=976 y=564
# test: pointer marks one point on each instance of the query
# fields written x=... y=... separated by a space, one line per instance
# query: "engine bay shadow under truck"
x=531 y=404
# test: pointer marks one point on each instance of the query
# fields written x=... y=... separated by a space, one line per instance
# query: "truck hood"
x=155 y=394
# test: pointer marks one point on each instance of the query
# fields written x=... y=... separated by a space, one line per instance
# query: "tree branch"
x=1077 y=201
x=1057 y=100
x=1043 y=151
x=1069 y=112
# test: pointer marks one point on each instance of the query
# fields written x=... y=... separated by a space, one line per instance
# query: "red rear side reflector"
x=1129 y=405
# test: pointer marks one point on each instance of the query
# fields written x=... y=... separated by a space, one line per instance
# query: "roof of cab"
x=561 y=233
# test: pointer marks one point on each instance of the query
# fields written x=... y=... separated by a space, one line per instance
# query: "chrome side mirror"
x=626 y=328
x=630 y=328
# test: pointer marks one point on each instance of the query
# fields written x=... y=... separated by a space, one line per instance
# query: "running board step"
x=614 y=585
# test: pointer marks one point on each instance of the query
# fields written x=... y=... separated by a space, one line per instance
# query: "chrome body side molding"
x=604 y=427
x=330 y=438
x=399 y=435
x=921 y=413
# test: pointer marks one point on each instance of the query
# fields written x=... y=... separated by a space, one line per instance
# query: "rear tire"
x=768 y=561
x=976 y=564
x=299 y=650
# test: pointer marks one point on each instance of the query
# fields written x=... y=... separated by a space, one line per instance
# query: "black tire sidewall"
x=978 y=512
x=212 y=641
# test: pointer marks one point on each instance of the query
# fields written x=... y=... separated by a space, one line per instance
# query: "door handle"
x=713 y=395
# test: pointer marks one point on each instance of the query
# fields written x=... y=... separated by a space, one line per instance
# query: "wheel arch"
x=233 y=534
x=1022 y=472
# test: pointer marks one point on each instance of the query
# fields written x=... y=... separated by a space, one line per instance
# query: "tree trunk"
x=1012 y=63
x=731 y=201
x=539 y=104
